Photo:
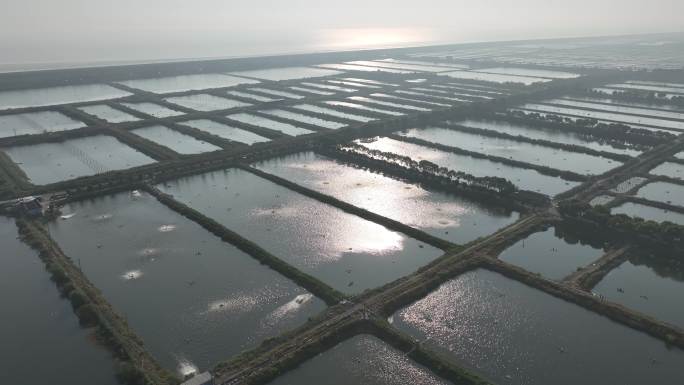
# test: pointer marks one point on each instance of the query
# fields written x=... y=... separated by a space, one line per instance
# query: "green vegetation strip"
x=314 y=285
x=354 y=210
x=134 y=364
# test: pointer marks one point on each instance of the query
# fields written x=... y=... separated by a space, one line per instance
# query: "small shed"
x=200 y=379
x=31 y=206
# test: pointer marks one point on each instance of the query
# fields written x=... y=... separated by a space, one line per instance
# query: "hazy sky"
x=95 y=30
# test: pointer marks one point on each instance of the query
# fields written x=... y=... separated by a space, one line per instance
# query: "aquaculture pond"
x=389 y=104
x=329 y=87
x=363 y=359
x=495 y=78
x=523 y=178
x=53 y=162
x=178 y=142
x=551 y=253
x=247 y=95
x=446 y=216
x=192 y=298
x=187 y=83
x=513 y=334
x=288 y=73
x=36 y=123
x=362 y=108
x=649 y=213
x=355 y=67
x=648 y=283
x=333 y=113
x=671 y=169
x=42 y=341
x=108 y=114
x=278 y=93
x=305 y=119
x=534 y=72
x=259 y=121
x=206 y=102
x=516 y=150
x=402 y=66
x=312 y=91
x=551 y=135
x=619 y=109
x=346 y=252
x=226 y=132
x=628 y=119
x=663 y=192
x=152 y=109
x=38 y=97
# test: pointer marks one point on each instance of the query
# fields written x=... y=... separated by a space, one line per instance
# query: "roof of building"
x=200 y=379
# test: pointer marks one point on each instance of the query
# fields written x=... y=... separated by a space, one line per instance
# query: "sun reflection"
x=359 y=38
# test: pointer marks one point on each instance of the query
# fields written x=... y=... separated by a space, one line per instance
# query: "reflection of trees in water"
x=574 y=236
x=663 y=262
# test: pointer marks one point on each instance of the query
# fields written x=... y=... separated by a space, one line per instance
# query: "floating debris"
x=166 y=228
x=68 y=216
x=132 y=275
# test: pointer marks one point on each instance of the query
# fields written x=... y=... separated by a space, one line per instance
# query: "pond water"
x=39 y=328
x=402 y=66
x=671 y=169
x=363 y=359
x=305 y=119
x=513 y=334
x=206 y=102
x=255 y=97
x=389 y=104
x=648 y=213
x=53 y=162
x=424 y=63
x=533 y=72
x=312 y=91
x=551 y=135
x=354 y=67
x=58 y=95
x=550 y=254
x=187 y=83
x=619 y=109
x=193 y=299
x=646 y=87
x=606 y=115
x=152 y=109
x=36 y=123
x=495 y=78
x=330 y=87
x=680 y=155
x=648 y=284
x=516 y=150
x=663 y=192
x=268 y=123
x=278 y=93
x=288 y=73
x=332 y=112
x=433 y=96
x=523 y=178
x=364 y=108
x=346 y=252
x=354 y=84
x=446 y=216
x=178 y=142
x=108 y=114
x=408 y=99
x=226 y=132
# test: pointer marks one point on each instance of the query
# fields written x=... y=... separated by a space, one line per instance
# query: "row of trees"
x=642 y=96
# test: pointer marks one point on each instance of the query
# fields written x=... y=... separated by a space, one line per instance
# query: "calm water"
x=649 y=213
x=187 y=83
x=344 y=251
x=550 y=255
x=389 y=104
x=152 y=109
x=334 y=113
x=36 y=123
x=551 y=135
x=628 y=119
x=513 y=334
x=364 y=108
x=663 y=192
x=255 y=120
x=620 y=109
x=206 y=102
x=523 y=178
x=108 y=113
x=363 y=359
x=648 y=284
x=529 y=72
x=495 y=78
x=226 y=132
x=305 y=119
x=314 y=91
x=445 y=216
x=644 y=87
x=407 y=99
x=355 y=67
x=280 y=94
x=178 y=142
x=193 y=299
x=513 y=149
x=330 y=87
x=671 y=169
x=401 y=66
x=42 y=341
x=53 y=162
x=253 y=97
x=58 y=95
x=679 y=155
x=288 y=73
